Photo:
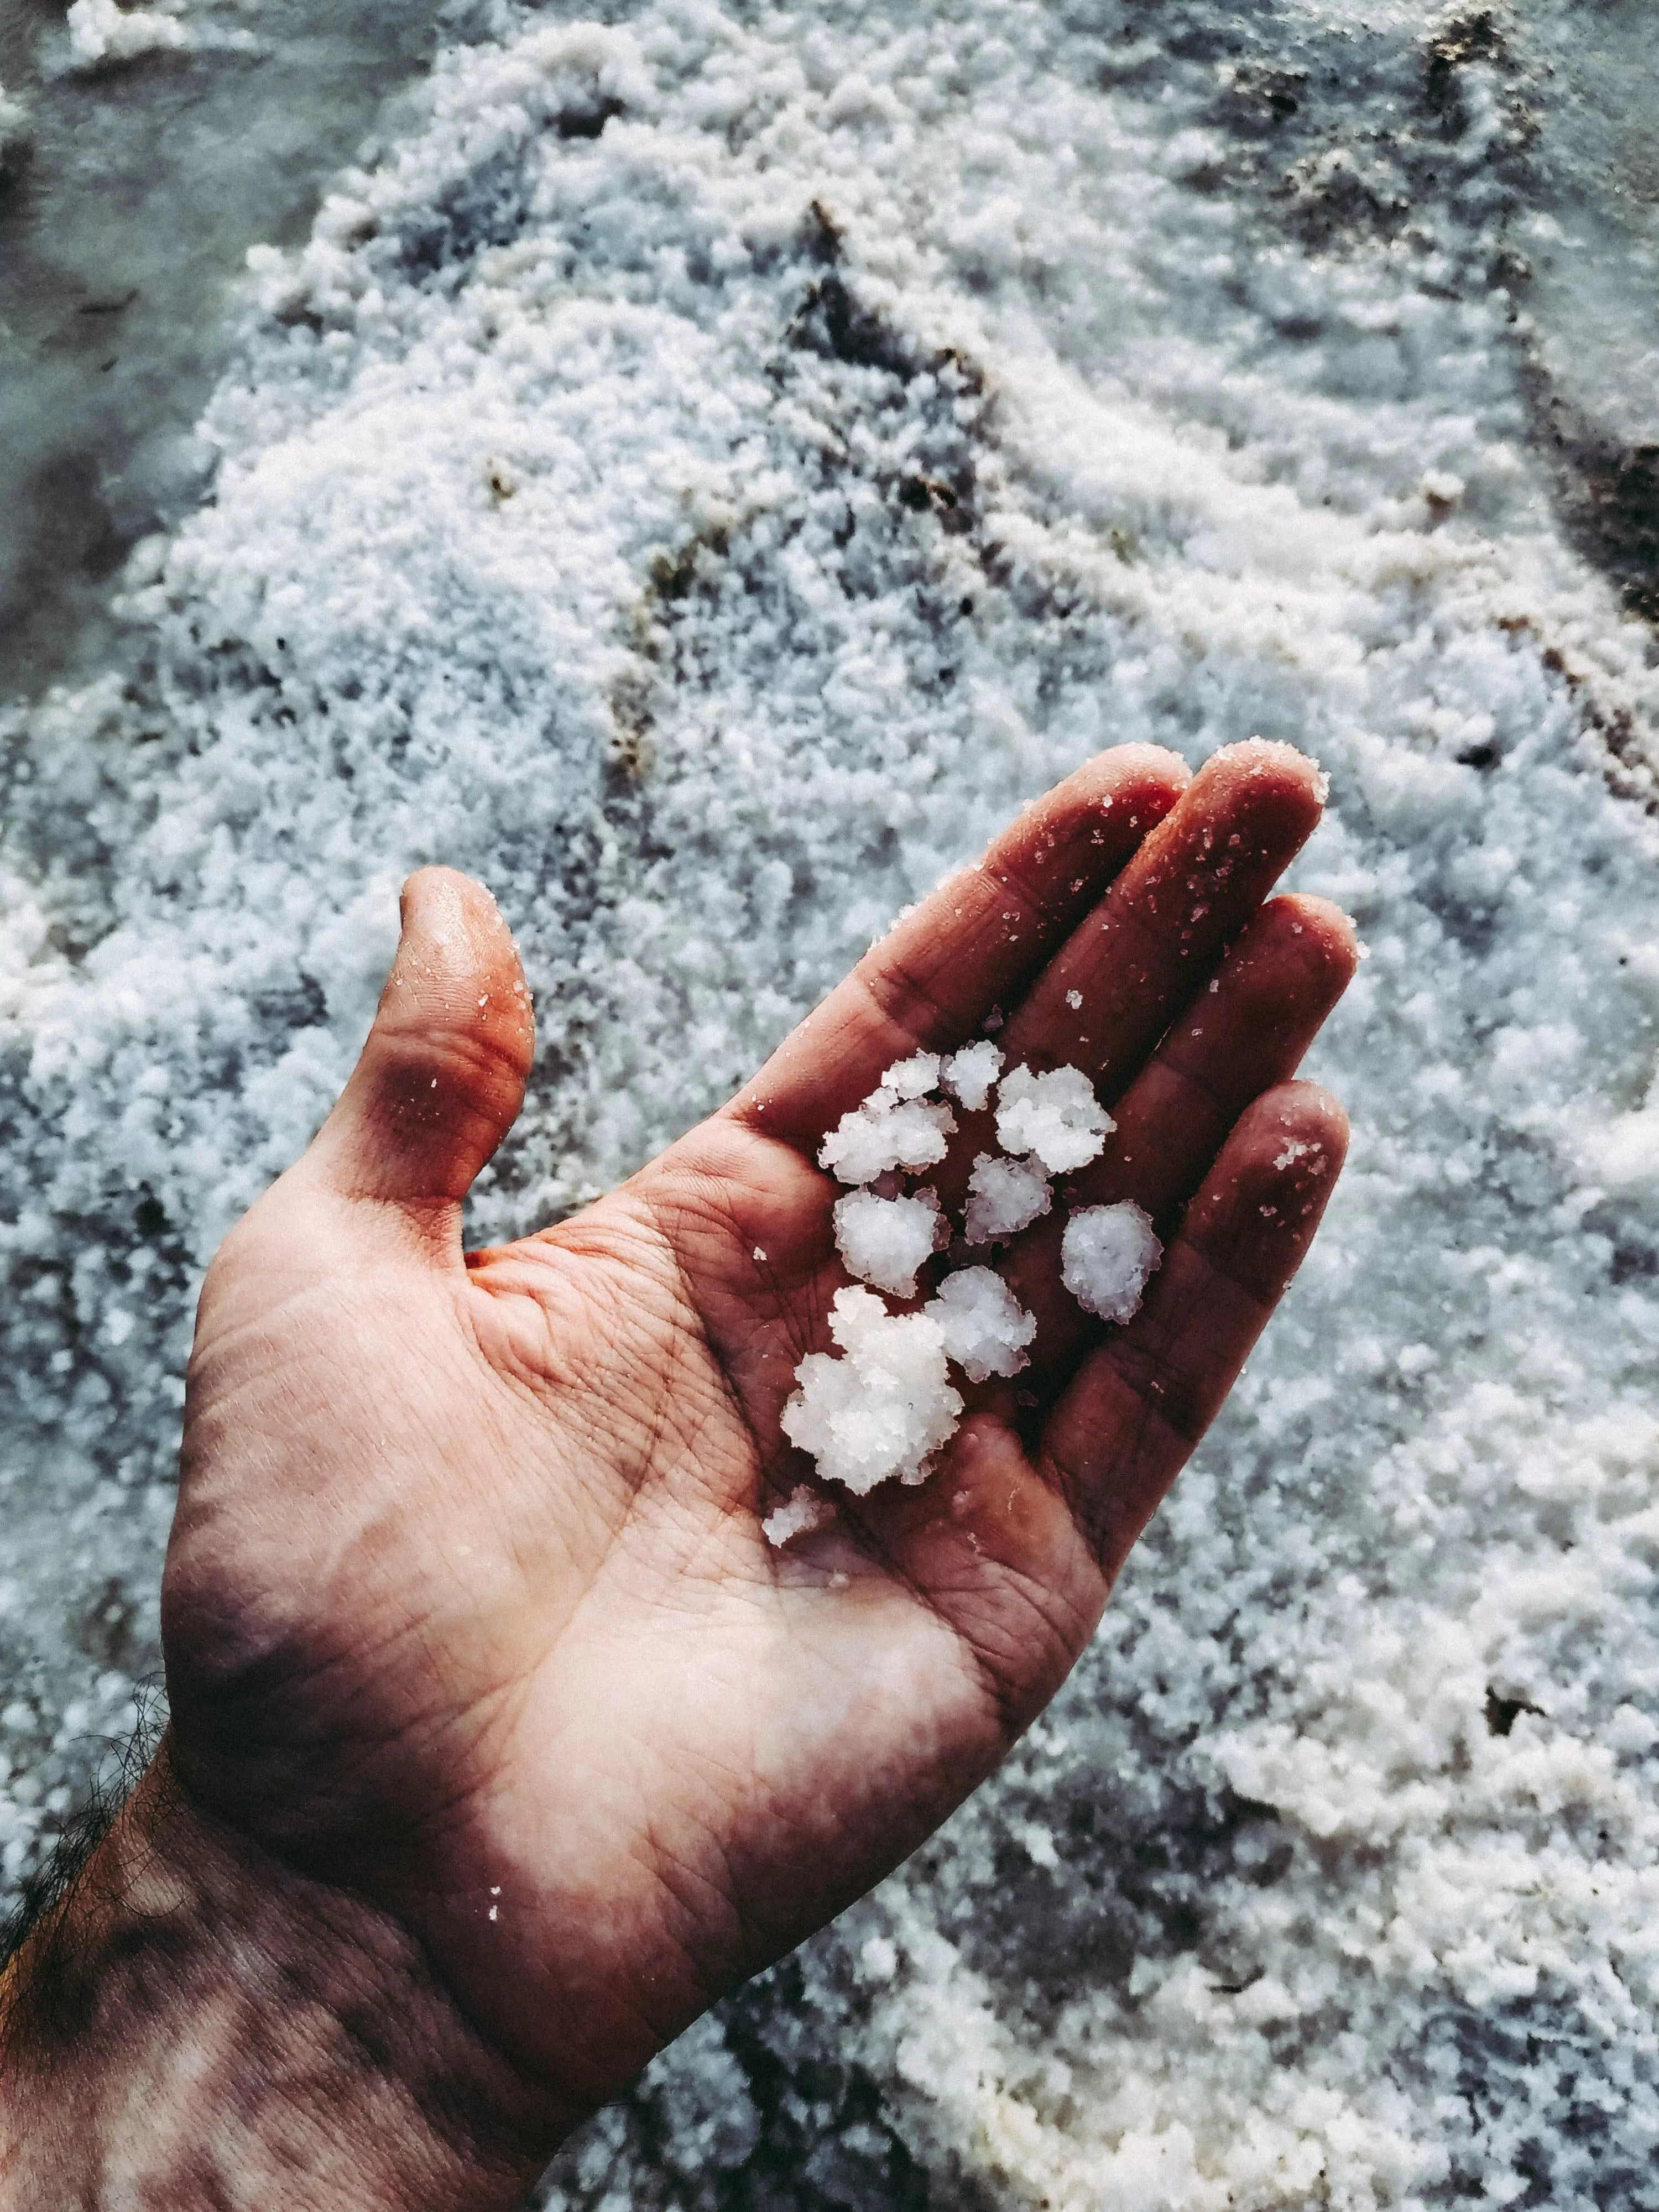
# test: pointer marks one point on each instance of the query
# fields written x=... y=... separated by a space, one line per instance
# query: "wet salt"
x=889 y=1130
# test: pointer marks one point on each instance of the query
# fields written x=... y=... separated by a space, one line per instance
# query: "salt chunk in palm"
x=1105 y=1257
x=1004 y=1197
x=801 y=1512
x=885 y=1240
x=913 y=1078
x=985 y=1327
x=968 y=1075
x=886 y=1132
x=886 y=1407
x=1057 y=1116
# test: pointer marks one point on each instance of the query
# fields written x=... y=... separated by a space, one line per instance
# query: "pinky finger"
x=1128 y=1422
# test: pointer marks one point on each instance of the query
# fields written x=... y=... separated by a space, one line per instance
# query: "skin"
x=502 y=1742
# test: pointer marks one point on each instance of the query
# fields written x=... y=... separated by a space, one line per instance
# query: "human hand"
x=468 y=1615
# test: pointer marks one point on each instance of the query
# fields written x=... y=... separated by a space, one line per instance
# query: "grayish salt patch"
x=131 y=186
x=704 y=480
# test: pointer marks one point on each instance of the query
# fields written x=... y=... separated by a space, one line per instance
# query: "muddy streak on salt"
x=703 y=480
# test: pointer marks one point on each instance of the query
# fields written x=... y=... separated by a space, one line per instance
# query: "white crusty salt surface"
x=1055 y=1116
x=887 y=1131
x=1004 y=1197
x=1106 y=1256
x=884 y=1408
x=801 y=1512
x=986 y=1328
x=885 y=1240
x=968 y=1075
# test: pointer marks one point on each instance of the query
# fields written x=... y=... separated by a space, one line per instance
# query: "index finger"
x=973 y=944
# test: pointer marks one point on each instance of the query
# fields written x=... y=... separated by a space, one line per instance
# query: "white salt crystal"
x=884 y=1408
x=800 y=1513
x=100 y=32
x=913 y=1078
x=885 y=1240
x=1056 y=1116
x=1106 y=1256
x=1004 y=1197
x=986 y=1328
x=968 y=1075
x=886 y=1132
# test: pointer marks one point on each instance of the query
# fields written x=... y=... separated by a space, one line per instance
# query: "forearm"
x=196 y=2026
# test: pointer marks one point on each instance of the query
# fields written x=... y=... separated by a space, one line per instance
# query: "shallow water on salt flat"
x=121 y=234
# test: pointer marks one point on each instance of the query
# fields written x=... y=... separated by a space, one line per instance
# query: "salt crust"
x=1314 y=1932
x=984 y=1327
x=1004 y=1197
x=1055 y=1116
x=886 y=1408
x=1106 y=1256
x=885 y=1240
x=100 y=32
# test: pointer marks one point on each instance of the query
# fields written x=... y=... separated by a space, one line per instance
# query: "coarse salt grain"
x=886 y=1132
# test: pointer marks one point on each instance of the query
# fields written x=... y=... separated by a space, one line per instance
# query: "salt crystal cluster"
x=884 y=1241
x=1004 y=1197
x=886 y=1407
x=984 y=1327
x=801 y=1512
x=968 y=1075
x=1057 y=1116
x=1105 y=1257
x=891 y=1129
x=888 y=1404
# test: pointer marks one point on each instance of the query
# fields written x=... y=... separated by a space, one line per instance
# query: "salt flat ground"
x=702 y=472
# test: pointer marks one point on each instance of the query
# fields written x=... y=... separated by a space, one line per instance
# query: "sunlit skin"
x=468 y=1613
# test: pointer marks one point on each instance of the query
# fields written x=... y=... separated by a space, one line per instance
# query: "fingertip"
x=442 y=1075
x=1148 y=779
x=457 y=964
x=1261 y=776
x=1309 y=937
x=1140 y=763
x=1262 y=1201
x=1296 y=1114
x=1310 y=1108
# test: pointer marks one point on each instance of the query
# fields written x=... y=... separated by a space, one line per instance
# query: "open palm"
x=468 y=1607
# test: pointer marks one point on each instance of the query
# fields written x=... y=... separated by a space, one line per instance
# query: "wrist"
x=196 y=2024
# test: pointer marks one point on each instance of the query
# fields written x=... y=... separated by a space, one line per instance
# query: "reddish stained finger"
x=973 y=946
x=1124 y=1428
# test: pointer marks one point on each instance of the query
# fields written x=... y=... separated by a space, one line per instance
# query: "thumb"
x=441 y=1080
